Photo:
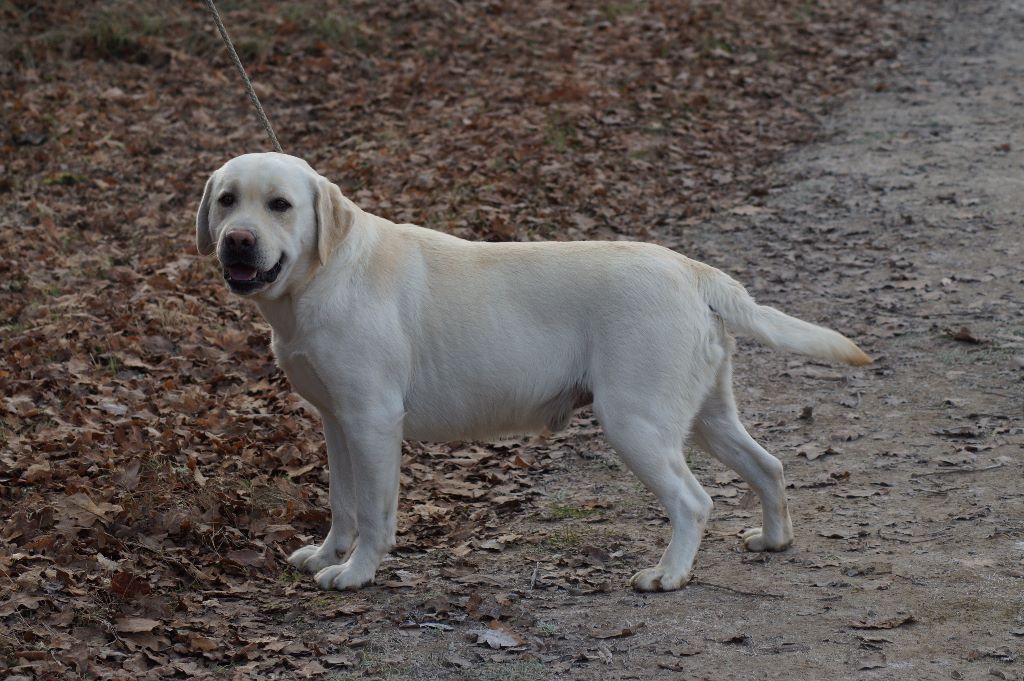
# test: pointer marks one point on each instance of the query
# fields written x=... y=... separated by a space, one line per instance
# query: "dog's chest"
x=298 y=366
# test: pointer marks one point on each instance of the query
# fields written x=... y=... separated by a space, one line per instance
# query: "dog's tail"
x=741 y=313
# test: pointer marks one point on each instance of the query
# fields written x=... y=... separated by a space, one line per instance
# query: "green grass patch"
x=570 y=512
x=64 y=179
x=614 y=10
x=561 y=134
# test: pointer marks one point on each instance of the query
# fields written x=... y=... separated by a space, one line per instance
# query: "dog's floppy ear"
x=334 y=216
x=204 y=238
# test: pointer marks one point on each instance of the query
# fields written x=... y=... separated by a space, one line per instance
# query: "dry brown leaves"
x=155 y=469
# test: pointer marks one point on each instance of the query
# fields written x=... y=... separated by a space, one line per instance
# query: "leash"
x=241 y=70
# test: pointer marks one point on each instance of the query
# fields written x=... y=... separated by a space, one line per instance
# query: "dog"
x=393 y=331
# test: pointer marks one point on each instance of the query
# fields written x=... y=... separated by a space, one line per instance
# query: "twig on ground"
x=758 y=594
x=918 y=540
x=999 y=394
x=959 y=470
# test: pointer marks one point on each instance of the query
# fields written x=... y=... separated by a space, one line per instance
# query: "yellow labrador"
x=396 y=331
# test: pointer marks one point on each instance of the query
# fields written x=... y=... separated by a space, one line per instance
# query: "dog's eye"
x=279 y=205
x=226 y=200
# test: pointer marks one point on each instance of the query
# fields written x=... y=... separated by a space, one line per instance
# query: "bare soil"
x=156 y=478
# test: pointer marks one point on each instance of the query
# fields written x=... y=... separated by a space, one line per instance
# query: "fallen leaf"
x=857 y=493
x=735 y=639
x=886 y=622
x=286 y=647
x=1002 y=653
x=80 y=512
x=338 y=660
x=959 y=431
x=135 y=625
x=246 y=557
x=498 y=635
x=20 y=600
x=750 y=210
x=815 y=453
x=202 y=643
x=405 y=579
x=37 y=472
x=618 y=632
x=127 y=584
x=964 y=335
x=311 y=669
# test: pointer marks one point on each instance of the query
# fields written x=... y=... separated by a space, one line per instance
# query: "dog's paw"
x=656 y=579
x=342 y=577
x=754 y=539
x=314 y=558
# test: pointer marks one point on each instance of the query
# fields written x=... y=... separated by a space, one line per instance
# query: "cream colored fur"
x=395 y=331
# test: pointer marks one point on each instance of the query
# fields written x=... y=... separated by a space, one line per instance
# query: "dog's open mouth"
x=246 y=278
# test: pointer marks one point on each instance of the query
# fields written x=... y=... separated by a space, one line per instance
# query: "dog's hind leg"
x=718 y=431
x=653 y=450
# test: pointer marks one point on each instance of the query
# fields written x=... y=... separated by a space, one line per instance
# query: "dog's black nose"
x=239 y=241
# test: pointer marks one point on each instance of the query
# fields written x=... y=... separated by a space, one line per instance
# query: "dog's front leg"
x=374 y=444
x=342 y=534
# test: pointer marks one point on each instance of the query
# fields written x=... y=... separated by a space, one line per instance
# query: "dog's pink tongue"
x=242 y=272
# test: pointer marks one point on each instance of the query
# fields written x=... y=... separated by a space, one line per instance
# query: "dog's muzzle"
x=241 y=261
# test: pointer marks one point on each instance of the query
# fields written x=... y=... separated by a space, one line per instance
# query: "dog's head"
x=272 y=220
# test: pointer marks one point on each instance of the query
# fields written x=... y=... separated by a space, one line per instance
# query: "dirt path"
x=903 y=229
